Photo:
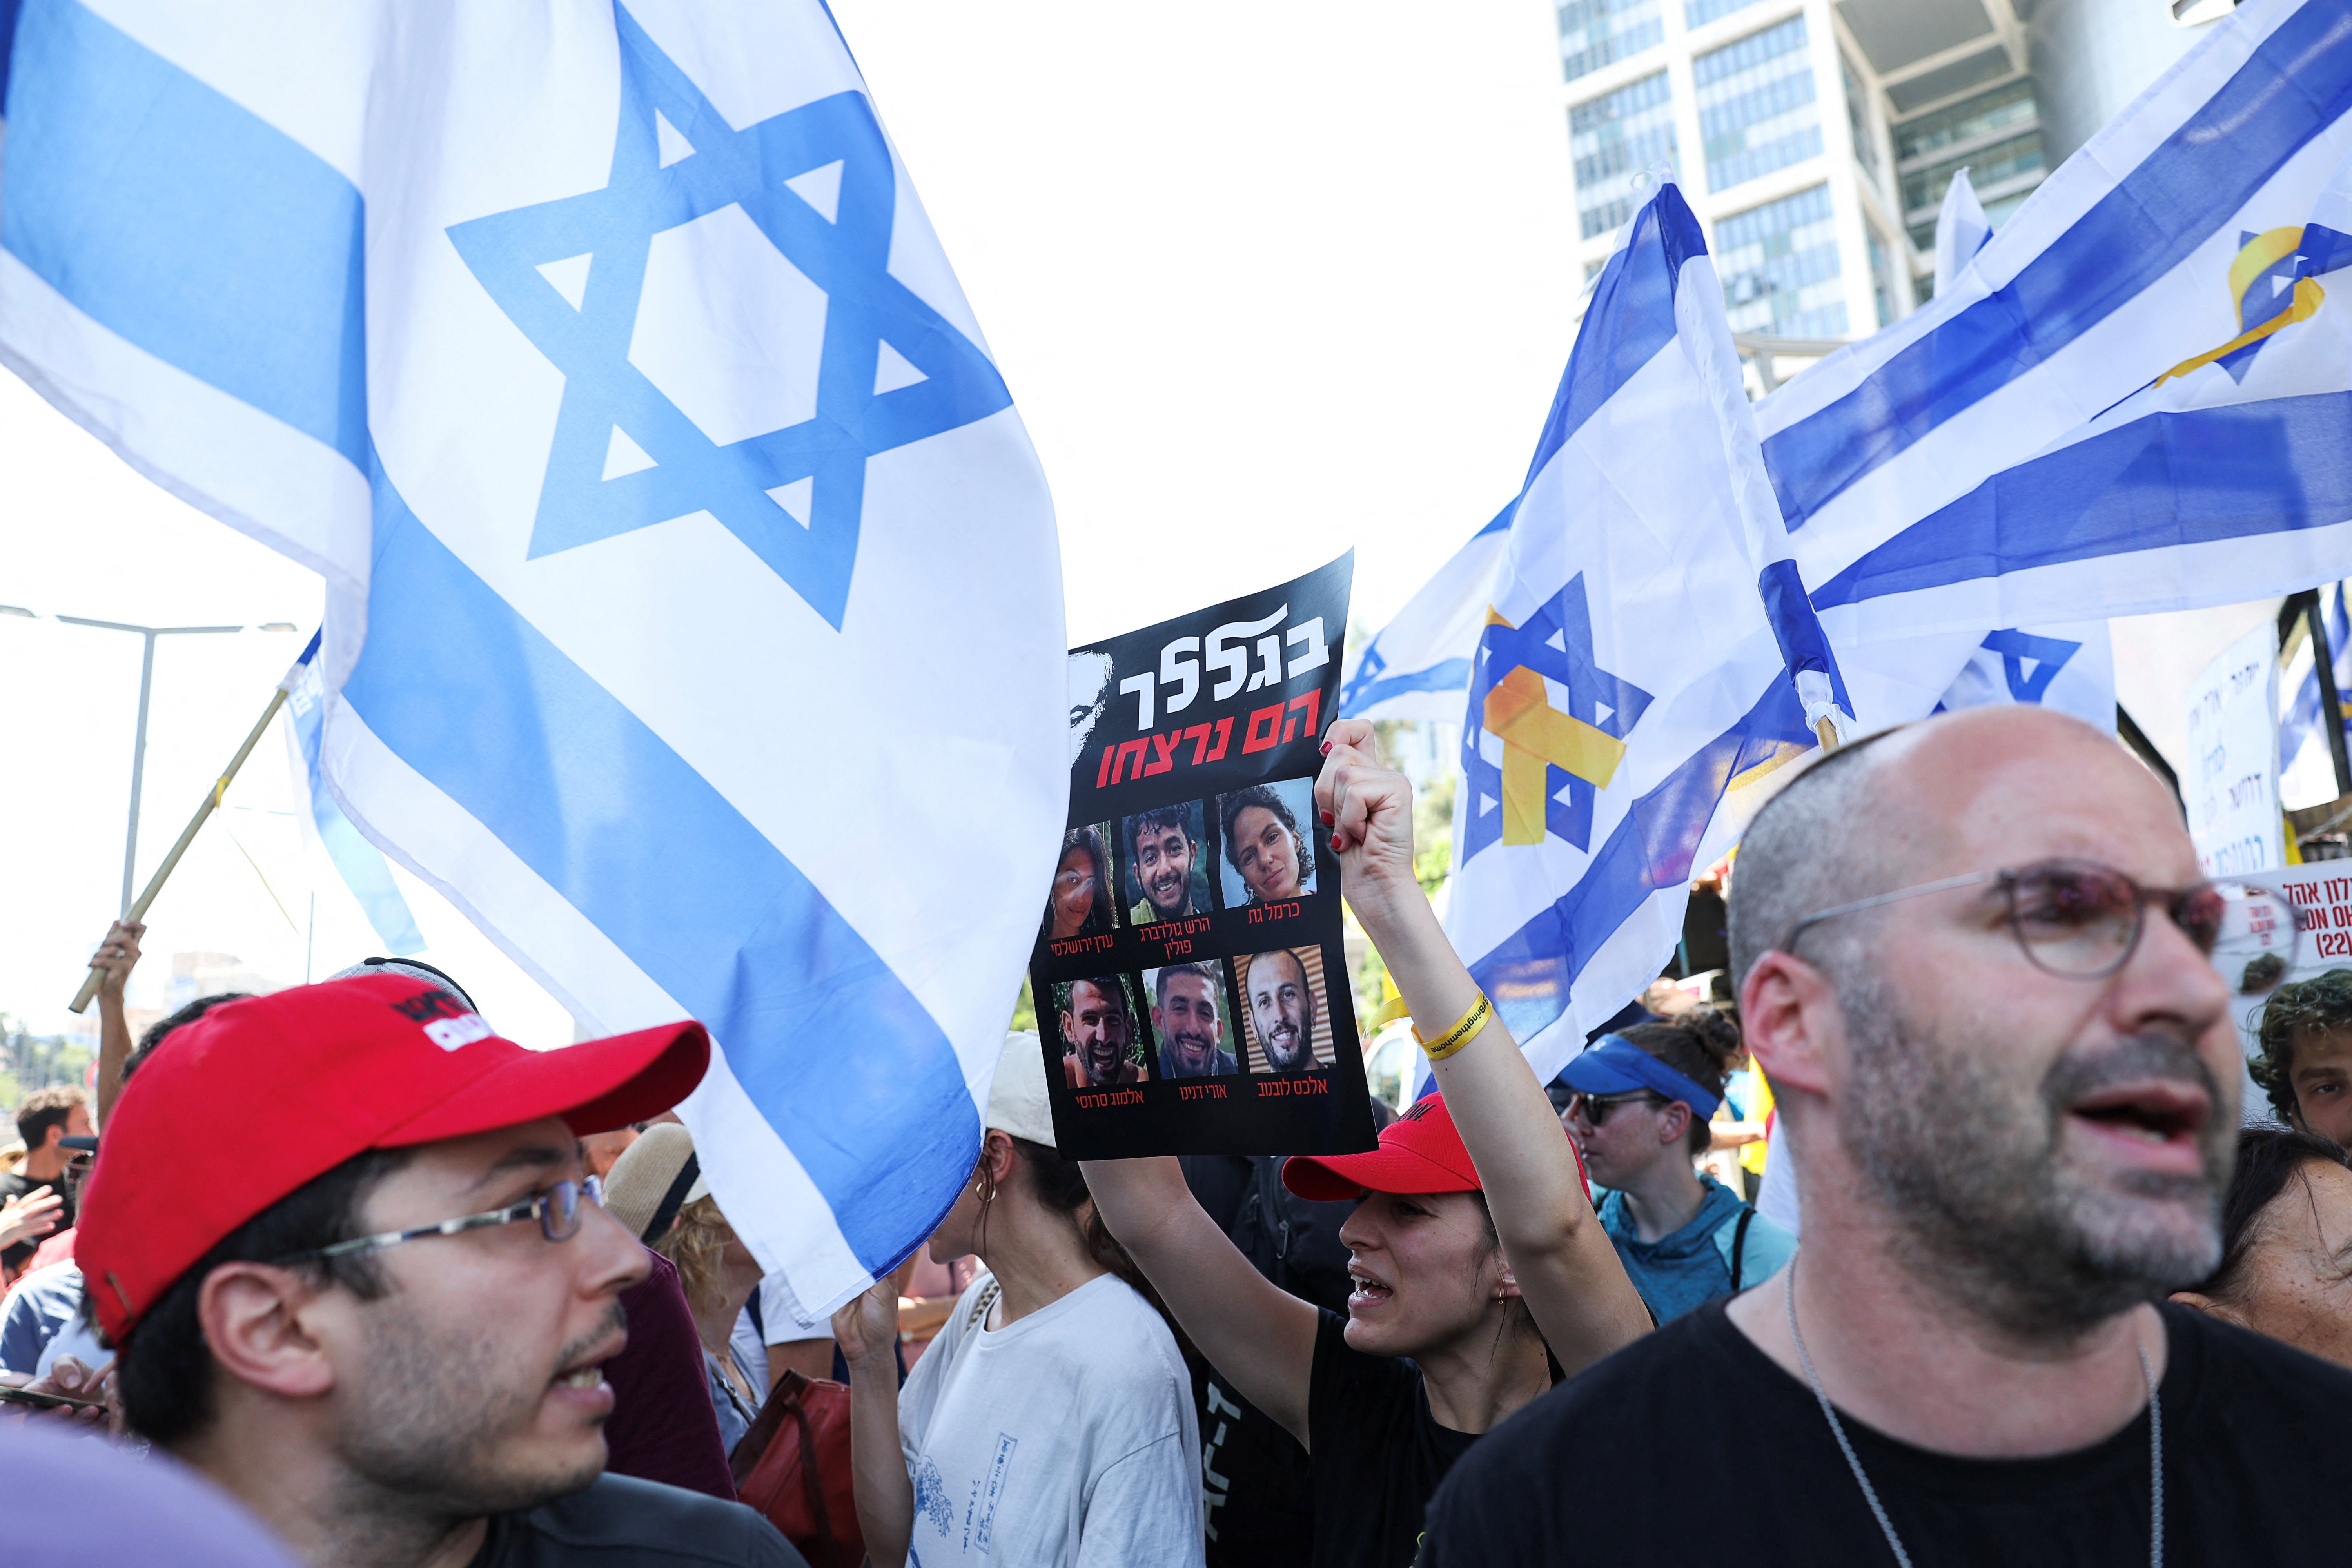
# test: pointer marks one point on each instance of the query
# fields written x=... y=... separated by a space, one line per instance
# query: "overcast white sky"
x=1267 y=282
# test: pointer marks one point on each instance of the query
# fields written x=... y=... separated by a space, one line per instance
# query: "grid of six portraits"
x=1176 y=876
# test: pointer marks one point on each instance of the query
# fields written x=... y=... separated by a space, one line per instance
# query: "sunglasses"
x=1595 y=1108
x=2082 y=920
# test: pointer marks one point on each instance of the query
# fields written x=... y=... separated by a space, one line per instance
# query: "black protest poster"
x=1191 y=986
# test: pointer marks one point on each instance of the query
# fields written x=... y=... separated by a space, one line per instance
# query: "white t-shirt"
x=1065 y=1439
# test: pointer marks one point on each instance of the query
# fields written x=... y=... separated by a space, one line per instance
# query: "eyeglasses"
x=2082 y=920
x=1595 y=1108
x=557 y=1210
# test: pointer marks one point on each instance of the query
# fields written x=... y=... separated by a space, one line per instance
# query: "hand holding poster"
x=1191 y=987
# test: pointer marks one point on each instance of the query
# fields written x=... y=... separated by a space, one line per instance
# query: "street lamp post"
x=138 y=746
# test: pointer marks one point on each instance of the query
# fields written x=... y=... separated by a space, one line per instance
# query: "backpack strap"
x=1739 y=1247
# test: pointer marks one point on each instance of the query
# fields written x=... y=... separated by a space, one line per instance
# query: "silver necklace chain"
x=1870 y=1493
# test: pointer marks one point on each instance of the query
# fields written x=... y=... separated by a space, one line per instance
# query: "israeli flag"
x=2070 y=668
x=693 y=608
x=2134 y=398
x=1648 y=643
x=1418 y=666
x=361 y=864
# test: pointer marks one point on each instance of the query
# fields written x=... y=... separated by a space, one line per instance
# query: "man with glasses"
x=1995 y=998
x=383 y=1328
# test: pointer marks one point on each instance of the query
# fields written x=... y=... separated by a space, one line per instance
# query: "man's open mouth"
x=2161 y=1115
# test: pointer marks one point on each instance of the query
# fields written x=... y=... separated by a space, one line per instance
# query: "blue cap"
x=1615 y=1065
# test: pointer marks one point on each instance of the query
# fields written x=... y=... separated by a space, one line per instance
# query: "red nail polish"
x=1329 y=820
x=1327 y=748
x=1335 y=844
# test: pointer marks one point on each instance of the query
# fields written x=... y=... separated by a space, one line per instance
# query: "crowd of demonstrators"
x=411 y=1328
x=1641 y=1111
x=2008 y=1072
x=2287 y=1242
x=1053 y=1354
x=2304 y=1058
x=1471 y=1249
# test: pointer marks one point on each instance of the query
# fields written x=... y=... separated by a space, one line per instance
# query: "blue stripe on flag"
x=8 y=9
x=830 y=1045
x=2297 y=82
x=1630 y=318
x=1530 y=973
x=181 y=221
x=2167 y=479
x=1452 y=675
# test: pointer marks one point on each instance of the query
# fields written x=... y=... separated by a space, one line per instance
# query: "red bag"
x=793 y=1465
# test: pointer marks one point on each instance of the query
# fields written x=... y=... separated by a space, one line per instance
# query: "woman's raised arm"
x=1251 y=1331
x=1567 y=1272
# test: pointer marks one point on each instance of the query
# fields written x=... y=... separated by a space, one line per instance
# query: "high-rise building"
x=1815 y=138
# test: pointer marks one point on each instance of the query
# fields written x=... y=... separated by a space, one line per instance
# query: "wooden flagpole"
x=138 y=910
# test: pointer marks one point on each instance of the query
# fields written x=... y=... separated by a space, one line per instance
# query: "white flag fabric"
x=1961 y=229
x=2133 y=399
x=1648 y=644
x=694 y=614
x=1418 y=666
x=2069 y=668
x=359 y=863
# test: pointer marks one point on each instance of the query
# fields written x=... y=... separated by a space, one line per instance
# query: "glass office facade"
x=1779 y=263
x=1612 y=138
x=1595 y=33
x=1757 y=107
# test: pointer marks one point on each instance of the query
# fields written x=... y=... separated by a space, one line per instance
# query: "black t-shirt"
x=621 y=1521
x=1602 y=1470
x=1377 y=1451
x=1258 y=1482
x=16 y=1186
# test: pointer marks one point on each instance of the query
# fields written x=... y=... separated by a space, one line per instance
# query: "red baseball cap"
x=383 y=1061
x=1419 y=1152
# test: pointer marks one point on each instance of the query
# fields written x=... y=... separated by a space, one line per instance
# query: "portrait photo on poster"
x=1102 y=1031
x=1189 y=1005
x=1161 y=856
x=1286 y=1027
x=1265 y=855
x=1080 y=902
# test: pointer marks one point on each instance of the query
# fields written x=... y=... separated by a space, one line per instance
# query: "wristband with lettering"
x=1454 y=1038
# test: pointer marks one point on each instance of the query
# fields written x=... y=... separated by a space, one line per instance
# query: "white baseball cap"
x=1016 y=1101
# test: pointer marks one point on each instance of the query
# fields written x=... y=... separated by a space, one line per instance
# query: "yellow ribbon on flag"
x=1537 y=736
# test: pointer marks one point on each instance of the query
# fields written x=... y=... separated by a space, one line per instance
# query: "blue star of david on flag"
x=879 y=368
x=1556 y=643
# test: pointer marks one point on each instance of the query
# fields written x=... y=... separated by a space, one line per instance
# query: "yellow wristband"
x=1454 y=1038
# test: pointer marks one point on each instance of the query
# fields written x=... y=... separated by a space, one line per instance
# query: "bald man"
x=1973 y=956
